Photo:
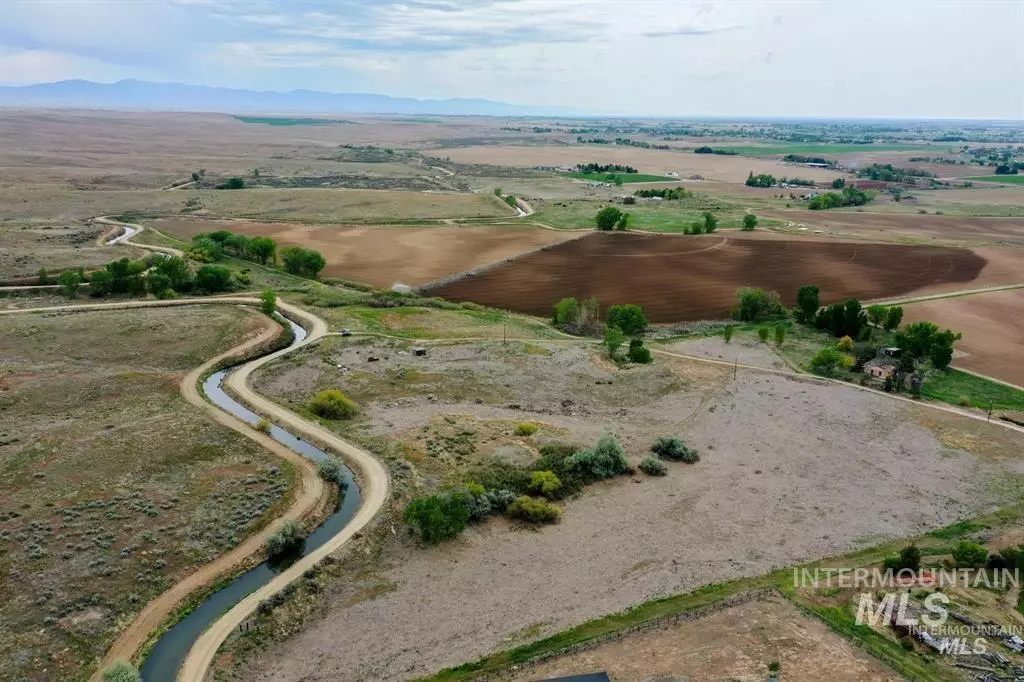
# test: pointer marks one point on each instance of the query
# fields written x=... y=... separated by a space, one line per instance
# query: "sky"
x=830 y=58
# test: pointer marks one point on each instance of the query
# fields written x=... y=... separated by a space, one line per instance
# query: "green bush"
x=652 y=466
x=629 y=318
x=498 y=474
x=288 y=539
x=969 y=554
x=268 y=302
x=331 y=470
x=534 y=510
x=545 y=483
x=439 y=517
x=526 y=429
x=332 y=404
x=762 y=334
x=607 y=459
x=213 y=278
x=639 y=353
x=554 y=457
x=670 y=447
x=753 y=305
x=827 y=361
x=121 y=671
x=263 y=426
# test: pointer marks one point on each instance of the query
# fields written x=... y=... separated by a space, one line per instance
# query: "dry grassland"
x=112 y=487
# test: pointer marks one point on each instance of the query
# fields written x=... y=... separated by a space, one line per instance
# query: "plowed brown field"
x=384 y=255
x=678 y=278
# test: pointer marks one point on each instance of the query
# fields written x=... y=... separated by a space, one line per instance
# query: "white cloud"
x=664 y=57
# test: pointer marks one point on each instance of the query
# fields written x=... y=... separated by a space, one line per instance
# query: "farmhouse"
x=880 y=369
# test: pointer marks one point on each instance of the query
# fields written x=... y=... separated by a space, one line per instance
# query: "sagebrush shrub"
x=331 y=470
x=534 y=510
x=607 y=459
x=287 y=539
x=526 y=429
x=652 y=466
x=670 y=447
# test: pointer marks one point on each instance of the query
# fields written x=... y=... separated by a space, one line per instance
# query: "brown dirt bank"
x=693 y=278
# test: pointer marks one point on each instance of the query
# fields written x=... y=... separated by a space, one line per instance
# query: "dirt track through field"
x=889 y=226
x=679 y=278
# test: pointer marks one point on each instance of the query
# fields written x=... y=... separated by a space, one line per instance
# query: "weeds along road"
x=370 y=474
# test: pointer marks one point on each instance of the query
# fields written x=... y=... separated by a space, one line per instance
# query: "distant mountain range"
x=135 y=94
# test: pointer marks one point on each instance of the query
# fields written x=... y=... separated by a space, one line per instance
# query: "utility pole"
x=735 y=367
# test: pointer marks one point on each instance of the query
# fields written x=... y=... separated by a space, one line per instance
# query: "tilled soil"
x=682 y=278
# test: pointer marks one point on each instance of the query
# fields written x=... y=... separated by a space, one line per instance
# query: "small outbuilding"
x=419 y=351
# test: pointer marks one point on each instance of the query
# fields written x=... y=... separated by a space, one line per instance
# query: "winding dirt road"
x=370 y=473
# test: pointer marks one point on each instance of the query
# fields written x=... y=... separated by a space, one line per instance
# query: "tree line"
x=855 y=326
x=159 y=275
x=670 y=193
x=214 y=246
x=711 y=150
x=886 y=172
x=849 y=196
x=589 y=168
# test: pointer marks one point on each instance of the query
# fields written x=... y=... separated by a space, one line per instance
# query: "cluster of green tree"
x=524 y=493
x=937 y=159
x=760 y=180
x=850 y=196
x=755 y=305
x=923 y=340
x=162 y=276
x=950 y=138
x=710 y=150
x=577 y=317
x=302 y=262
x=800 y=158
x=749 y=222
x=213 y=246
x=511 y=200
x=885 y=172
x=1008 y=169
x=670 y=193
x=706 y=225
x=232 y=183
x=799 y=182
x=839 y=183
x=611 y=218
x=605 y=168
x=626 y=320
x=542 y=130
x=593 y=140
